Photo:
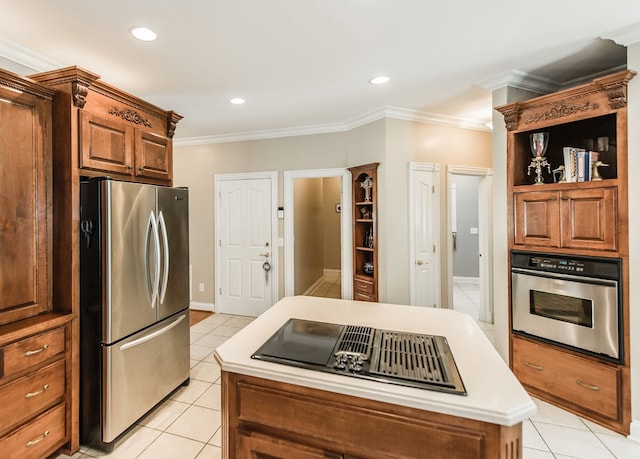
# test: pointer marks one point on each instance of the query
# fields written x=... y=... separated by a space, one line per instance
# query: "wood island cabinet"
x=36 y=379
x=269 y=419
x=577 y=218
x=365 y=232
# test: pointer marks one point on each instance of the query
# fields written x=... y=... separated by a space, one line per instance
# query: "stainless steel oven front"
x=569 y=300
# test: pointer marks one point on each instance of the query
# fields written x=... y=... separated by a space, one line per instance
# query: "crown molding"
x=626 y=36
x=26 y=57
x=521 y=80
x=366 y=118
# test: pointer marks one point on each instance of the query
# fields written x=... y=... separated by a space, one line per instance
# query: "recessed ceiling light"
x=143 y=33
x=237 y=101
x=380 y=79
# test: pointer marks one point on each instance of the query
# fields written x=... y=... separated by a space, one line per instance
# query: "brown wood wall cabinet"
x=365 y=231
x=57 y=127
x=270 y=419
x=576 y=218
x=35 y=334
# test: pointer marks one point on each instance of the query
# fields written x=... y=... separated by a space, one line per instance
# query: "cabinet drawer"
x=579 y=381
x=26 y=396
x=363 y=286
x=37 y=439
x=361 y=297
x=30 y=351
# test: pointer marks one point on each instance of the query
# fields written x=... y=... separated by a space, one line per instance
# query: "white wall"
x=391 y=142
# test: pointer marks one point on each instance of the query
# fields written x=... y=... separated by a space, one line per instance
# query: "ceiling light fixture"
x=237 y=101
x=143 y=33
x=380 y=79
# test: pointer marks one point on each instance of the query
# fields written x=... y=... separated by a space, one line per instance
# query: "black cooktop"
x=407 y=359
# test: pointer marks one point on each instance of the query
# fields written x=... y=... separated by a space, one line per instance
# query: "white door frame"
x=485 y=243
x=435 y=170
x=273 y=177
x=346 y=255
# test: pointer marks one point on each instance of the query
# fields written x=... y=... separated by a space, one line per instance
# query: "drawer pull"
x=33 y=394
x=36 y=351
x=535 y=367
x=587 y=386
x=38 y=440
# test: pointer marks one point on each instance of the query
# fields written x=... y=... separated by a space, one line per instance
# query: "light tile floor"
x=187 y=425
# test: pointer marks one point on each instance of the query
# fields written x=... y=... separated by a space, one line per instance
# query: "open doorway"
x=316 y=229
x=317 y=233
x=469 y=251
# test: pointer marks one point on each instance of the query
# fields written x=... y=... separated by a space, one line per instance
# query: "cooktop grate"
x=356 y=339
x=414 y=357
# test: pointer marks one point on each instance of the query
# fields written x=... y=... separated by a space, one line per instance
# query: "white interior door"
x=425 y=264
x=245 y=266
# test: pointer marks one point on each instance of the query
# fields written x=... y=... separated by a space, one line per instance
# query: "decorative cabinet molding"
x=606 y=93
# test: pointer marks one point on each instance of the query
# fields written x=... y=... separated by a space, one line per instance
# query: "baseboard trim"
x=634 y=431
x=333 y=273
x=466 y=280
x=202 y=306
x=314 y=286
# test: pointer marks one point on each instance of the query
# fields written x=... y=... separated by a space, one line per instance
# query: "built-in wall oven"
x=572 y=301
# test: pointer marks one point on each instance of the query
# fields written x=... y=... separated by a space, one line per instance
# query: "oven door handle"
x=567 y=277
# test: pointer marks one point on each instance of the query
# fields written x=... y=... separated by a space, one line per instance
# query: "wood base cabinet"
x=269 y=419
x=586 y=132
x=575 y=382
x=35 y=386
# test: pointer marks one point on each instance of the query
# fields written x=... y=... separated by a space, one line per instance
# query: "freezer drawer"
x=141 y=370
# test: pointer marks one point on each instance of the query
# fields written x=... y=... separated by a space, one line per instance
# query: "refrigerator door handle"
x=153 y=335
x=152 y=229
x=165 y=259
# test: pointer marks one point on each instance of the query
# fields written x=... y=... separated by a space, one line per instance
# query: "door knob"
x=266 y=254
x=420 y=262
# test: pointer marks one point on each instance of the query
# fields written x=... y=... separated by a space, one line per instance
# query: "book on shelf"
x=570 y=155
x=578 y=163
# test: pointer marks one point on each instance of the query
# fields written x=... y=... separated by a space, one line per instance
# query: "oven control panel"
x=559 y=265
x=598 y=267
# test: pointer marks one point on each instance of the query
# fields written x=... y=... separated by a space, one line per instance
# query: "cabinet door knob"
x=141 y=169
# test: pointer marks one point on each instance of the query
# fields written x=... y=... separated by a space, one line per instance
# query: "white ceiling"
x=304 y=65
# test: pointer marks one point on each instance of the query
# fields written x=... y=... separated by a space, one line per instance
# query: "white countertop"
x=493 y=392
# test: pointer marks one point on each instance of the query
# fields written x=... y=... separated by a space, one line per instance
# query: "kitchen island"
x=280 y=411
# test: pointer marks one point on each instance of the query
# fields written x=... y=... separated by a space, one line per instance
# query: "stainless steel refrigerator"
x=134 y=303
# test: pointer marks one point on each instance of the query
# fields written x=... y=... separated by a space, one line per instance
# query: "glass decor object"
x=539 y=142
